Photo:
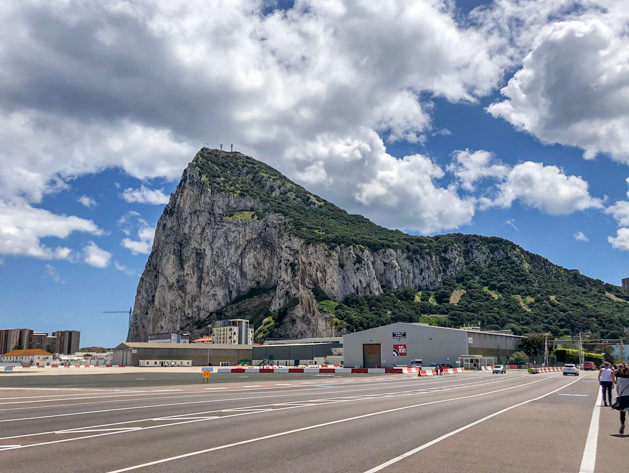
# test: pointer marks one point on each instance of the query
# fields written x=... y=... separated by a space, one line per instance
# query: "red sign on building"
x=399 y=350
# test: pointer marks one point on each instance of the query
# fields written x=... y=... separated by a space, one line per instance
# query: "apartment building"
x=68 y=341
x=232 y=332
x=15 y=338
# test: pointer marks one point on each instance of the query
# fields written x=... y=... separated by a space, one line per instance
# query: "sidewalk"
x=612 y=453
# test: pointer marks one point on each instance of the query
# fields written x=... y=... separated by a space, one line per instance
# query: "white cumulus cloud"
x=571 y=87
x=22 y=228
x=86 y=201
x=621 y=240
x=471 y=166
x=620 y=212
x=580 y=236
x=286 y=79
x=95 y=256
x=145 y=195
x=317 y=91
x=143 y=243
x=546 y=188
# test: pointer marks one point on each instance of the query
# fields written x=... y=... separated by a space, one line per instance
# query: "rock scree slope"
x=239 y=239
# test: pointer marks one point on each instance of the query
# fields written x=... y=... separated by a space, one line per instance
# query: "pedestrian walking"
x=622 y=390
x=606 y=379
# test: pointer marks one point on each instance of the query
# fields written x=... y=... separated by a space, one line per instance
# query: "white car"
x=499 y=369
x=570 y=369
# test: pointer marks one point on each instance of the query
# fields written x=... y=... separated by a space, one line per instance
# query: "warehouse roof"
x=33 y=352
x=421 y=324
x=190 y=346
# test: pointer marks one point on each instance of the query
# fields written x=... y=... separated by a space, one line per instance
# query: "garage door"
x=371 y=355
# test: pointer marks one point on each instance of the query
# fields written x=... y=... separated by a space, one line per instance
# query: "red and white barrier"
x=549 y=369
x=487 y=368
x=66 y=366
x=445 y=371
x=328 y=369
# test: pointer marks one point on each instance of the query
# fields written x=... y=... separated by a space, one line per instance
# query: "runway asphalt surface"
x=476 y=422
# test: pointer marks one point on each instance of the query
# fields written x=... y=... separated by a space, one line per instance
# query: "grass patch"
x=522 y=303
x=243 y=215
x=614 y=298
x=456 y=295
x=327 y=306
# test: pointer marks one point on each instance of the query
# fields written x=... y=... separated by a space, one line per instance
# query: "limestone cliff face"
x=213 y=257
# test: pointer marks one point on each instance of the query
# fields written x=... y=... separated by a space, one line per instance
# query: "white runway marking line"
x=325 y=424
x=51 y=396
x=263 y=407
x=82 y=430
x=316 y=426
x=146 y=394
x=136 y=395
x=588 y=461
x=279 y=394
x=386 y=394
x=183 y=417
x=461 y=429
x=333 y=401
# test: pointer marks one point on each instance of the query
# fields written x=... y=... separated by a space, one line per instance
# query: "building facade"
x=199 y=354
x=408 y=343
x=40 y=341
x=233 y=331
x=499 y=346
x=169 y=337
x=28 y=357
x=67 y=341
x=298 y=353
x=15 y=338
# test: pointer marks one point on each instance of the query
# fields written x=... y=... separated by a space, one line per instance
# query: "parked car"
x=589 y=366
x=499 y=369
x=570 y=369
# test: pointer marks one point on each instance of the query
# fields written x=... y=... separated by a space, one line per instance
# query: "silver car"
x=570 y=369
x=499 y=369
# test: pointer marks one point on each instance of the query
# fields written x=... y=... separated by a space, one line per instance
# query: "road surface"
x=475 y=422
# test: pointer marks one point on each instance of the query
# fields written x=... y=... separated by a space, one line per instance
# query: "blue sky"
x=439 y=120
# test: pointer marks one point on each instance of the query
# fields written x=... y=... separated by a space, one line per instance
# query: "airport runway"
x=476 y=422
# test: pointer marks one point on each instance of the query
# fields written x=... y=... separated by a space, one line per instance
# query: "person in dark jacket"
x=622 y=390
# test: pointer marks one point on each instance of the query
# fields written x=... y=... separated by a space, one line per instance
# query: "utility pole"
x=545 y=350
x=580 y=350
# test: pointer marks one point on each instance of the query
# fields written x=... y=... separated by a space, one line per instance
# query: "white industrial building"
x=403 y=343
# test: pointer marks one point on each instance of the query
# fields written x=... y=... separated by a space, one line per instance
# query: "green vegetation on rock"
x=243 y=215
x=499 y=285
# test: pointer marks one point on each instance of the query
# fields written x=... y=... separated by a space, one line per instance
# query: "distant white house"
x=28 y=357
